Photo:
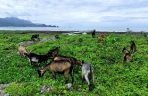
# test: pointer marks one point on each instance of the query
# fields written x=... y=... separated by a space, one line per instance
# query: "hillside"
x=16 y=22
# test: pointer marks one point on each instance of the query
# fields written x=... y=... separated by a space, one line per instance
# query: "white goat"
x=22 y=50
x=87 y=72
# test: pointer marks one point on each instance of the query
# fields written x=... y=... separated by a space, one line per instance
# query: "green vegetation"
x=111 y=76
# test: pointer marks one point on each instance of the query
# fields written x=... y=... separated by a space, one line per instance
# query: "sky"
x=112 y=15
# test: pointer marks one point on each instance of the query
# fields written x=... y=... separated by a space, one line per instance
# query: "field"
x=112 y=77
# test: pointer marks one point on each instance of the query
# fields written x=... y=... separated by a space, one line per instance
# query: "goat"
x=35 y=58
x=70 y=59
x=60 y=66
x=133 y=46
x=54 y=51
x=57 y=37
x=35 y=36
x=100 y=40
x=22 y=50
x=103 y=35
x=93 y=33
x=127 y=55
x=87 y=72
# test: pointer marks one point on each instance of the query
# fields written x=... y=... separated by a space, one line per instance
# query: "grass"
x=111 y=76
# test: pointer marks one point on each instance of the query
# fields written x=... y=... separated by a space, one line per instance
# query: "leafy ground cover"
x=112 y=77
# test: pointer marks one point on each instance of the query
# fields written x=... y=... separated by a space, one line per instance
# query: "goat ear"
x=30 y=51
x=123 y=49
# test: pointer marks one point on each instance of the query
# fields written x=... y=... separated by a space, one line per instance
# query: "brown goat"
x=100 y=40
x=127 y=55
x=133 y=46
x=103 y=35
x=70 y=59
x=60 y=66
x=22 y=50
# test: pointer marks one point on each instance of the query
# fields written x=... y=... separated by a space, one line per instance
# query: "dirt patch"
x=2 y=90
x=38 y=41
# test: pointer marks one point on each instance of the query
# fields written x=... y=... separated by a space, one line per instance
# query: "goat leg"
x=20 y=54
x=83 y=79
x=124 y=59
x=86 y=77
x=93 y=85
x=66 y=76
x=93 y=78
x=31 y=62
x=54 y=75
x=71 y=74
x=66 y=81
x=38 y=64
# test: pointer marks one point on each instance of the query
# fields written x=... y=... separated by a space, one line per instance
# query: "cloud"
x=86 y=13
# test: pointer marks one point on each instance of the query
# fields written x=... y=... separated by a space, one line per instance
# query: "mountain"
x=16 y=22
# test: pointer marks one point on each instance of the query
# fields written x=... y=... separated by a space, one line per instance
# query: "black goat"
x=35 y=58
x=54 y=51
x=57 y=37
x=60 y=66
x=93 y=33
x=35 y=36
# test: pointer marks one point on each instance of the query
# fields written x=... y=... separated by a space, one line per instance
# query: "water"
x=67 y=29
x=44 y=28
x=54 y=29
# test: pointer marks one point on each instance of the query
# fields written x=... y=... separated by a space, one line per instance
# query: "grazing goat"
x=93 y=33
x=35 y=36
x=87 y=72
x=100 y=40
x=70 y=59
x=60 y=66
x=103 y=35
x=127 y=55
x=35 y=58
x=133 y=46
x=54 y=51
x=22 y=50
x=57 y=37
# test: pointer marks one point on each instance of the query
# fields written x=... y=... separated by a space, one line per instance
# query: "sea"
x=45 y=28
x=63 y=29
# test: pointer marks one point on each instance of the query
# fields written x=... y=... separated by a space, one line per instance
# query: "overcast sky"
x=89 y=14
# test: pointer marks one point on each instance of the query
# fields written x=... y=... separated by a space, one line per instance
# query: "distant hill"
x=16 y=22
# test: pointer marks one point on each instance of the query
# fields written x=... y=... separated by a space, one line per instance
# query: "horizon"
x=84 y=14
x=62 y=29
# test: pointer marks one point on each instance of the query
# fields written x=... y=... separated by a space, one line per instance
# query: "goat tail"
x=91 y=70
